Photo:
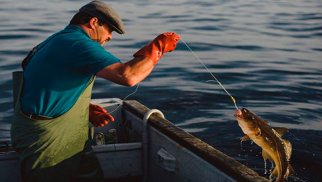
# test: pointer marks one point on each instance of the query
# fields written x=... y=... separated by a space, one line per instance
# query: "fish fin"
x=288 y=149
x=280 y=130
x=266 y=156
x=244 y=138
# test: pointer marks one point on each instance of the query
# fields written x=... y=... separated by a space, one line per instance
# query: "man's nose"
x=109 y=38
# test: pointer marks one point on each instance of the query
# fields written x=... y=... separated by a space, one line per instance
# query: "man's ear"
x=93 y=22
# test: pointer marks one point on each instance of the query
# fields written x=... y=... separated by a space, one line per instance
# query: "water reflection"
x=266 y=53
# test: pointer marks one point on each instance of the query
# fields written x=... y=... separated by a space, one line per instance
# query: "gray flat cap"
x=104 y=12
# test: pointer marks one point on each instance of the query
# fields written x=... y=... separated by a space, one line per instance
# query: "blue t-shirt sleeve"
x=92 y=57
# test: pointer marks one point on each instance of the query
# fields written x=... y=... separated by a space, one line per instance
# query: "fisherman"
x=50 y=125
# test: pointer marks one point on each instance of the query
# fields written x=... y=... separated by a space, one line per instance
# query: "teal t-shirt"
x=60 y=70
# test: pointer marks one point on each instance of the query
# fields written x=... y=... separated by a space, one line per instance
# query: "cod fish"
x=274 y=148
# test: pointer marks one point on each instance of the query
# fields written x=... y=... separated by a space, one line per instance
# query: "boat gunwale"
x=223 y=162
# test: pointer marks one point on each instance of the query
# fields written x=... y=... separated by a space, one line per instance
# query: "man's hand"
x=163 y=43
x=98 y=116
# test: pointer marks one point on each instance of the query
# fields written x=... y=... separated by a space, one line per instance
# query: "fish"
x=274 y=147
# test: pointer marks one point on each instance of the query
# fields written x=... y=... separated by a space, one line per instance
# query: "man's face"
x=103 y=34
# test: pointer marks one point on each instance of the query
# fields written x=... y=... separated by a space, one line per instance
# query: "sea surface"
x=267 y=54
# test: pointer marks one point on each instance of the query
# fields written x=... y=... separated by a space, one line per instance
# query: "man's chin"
x=103 y=43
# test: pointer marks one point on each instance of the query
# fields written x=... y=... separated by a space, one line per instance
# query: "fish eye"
x=244 y=110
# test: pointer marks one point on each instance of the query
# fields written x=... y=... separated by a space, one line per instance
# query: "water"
x=267 y=54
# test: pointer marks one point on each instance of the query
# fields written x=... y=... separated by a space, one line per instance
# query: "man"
x=50 y=125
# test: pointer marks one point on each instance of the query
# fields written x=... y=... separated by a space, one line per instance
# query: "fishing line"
x=136 y=89
x=195 y=55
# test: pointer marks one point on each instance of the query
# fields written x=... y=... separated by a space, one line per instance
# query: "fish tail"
x=278 y=177
x=289 y=171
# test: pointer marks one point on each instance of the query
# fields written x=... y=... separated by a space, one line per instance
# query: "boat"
x=142 y=145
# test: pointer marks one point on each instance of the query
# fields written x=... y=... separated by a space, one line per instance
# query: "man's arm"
x=145 y=59
x=130 y=73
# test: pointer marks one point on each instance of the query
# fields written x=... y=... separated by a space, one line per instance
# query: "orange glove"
x=163 y=43
x=98 y=116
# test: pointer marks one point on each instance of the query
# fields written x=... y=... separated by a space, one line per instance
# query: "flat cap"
x=104 y=12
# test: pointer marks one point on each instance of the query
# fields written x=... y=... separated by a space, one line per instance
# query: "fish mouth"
x=238 y=113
